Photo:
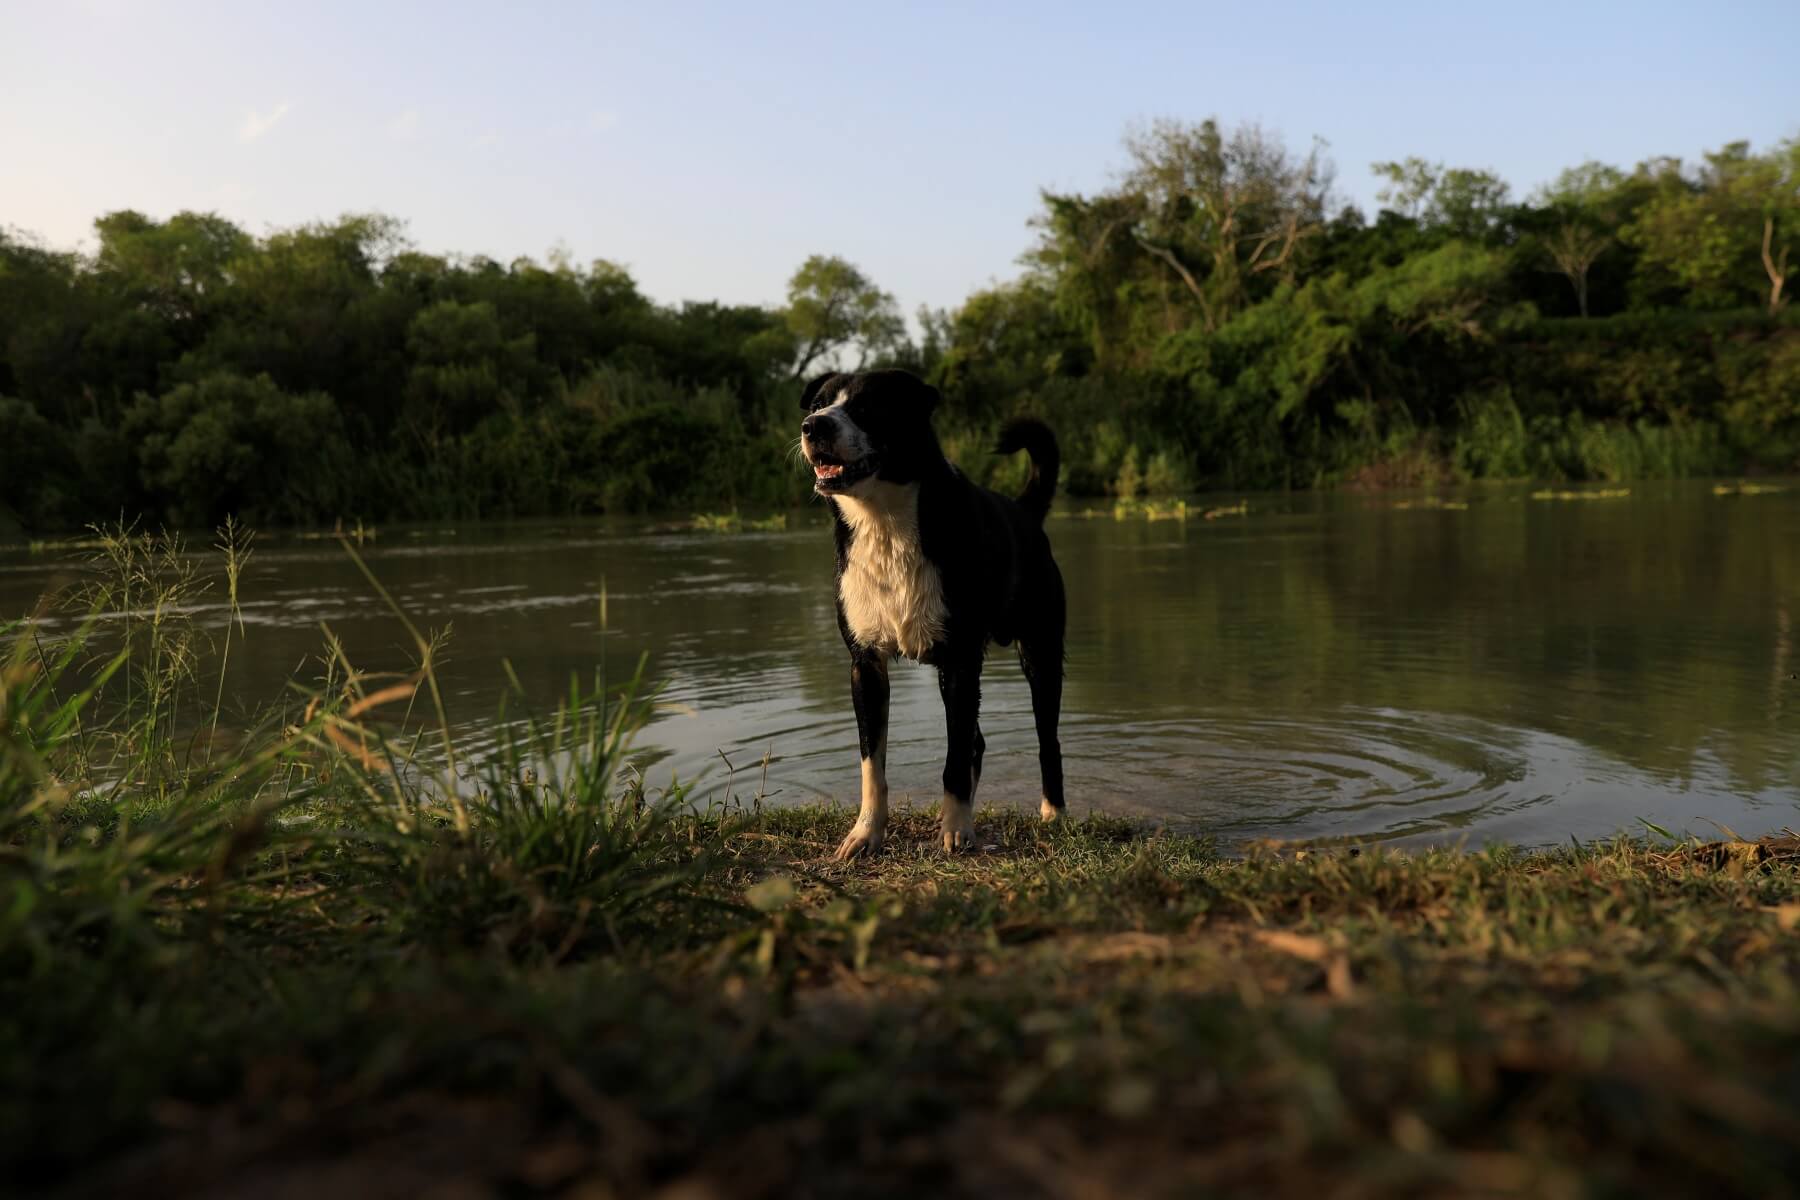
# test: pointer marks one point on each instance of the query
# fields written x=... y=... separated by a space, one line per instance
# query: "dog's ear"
x=906 y=388
x=928 y=397
x=813 y=389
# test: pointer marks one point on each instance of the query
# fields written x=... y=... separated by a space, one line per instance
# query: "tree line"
x=1215 y=318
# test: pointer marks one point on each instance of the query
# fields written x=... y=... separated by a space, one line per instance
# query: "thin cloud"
x=256 y=124
x=603 y=120
x=404 y=125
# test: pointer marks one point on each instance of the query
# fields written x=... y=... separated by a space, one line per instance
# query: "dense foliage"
x=1206 y=321
x=1208 y=317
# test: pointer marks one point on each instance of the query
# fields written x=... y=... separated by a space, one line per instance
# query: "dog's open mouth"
x=833 y=474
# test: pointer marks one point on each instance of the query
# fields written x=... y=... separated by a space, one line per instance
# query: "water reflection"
x=1326 y=666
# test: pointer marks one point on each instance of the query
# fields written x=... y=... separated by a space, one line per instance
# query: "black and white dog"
x=932 y=567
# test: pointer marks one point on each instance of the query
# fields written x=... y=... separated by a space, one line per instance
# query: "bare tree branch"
x=1290 y=233
x=1237 y=201
x=1777 y=268
x=1187 y=277
x=1574 y=250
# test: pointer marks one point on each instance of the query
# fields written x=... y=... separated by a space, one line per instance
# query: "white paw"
x=1050 y=812
x=958 y=825
x=863 y=839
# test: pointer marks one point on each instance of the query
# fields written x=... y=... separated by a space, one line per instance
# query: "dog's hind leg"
x=1041 y=657
x=975 y=763
x=1043 y=671
x=959 y=682
x=869 y=693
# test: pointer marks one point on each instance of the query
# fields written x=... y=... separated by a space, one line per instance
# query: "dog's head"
x=870 y=425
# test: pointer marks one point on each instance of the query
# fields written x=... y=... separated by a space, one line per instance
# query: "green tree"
x=1586 y=206
x=1727 y=234
x=464 y=368
x=231 y=445
x=1090 y=260
x=1574 y=248
x=1775 y=187
x=176 y=267
x=1220 y=209
x=308 y=309
x=38 y=477
x=1460 y=201
x=1003 y=341
x=43 y=317
x=832 y=306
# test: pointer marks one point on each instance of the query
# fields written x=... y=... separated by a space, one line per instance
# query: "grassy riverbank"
x=1085 y=1011
x=337 y=954
x=604 y=999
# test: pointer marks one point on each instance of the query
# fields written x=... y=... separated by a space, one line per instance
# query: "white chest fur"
x=892 y=597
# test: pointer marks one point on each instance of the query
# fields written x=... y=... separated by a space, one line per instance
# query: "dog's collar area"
x=833 y=474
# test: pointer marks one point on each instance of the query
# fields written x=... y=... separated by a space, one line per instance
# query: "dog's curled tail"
x=1034 y=437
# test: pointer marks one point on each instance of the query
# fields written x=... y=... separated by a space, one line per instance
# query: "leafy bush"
x=228 y=445
x=38 y=474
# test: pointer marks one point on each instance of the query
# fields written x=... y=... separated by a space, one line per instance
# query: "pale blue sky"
x=711 y=147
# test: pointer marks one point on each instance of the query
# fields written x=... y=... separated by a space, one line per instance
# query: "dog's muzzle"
x=833 y=474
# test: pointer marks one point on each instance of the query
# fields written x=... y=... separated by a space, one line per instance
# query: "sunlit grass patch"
x=1583 y=494
x=59 y=545
x=733 y=522
x=356 y=532
x=1431 y=503
x=1149 y=510
x=1129 y=509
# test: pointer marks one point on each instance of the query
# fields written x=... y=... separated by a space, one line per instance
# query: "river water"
x=1489 y=665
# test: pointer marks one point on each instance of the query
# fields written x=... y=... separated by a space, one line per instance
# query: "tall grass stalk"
x=235 y=543
x=428 y=668
x=145 y=587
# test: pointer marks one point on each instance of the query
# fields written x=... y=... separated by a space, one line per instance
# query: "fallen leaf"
x=1130 y=945
x=1300 y=945
x=772 y=894
x=1338 y=979
x=1787 y=916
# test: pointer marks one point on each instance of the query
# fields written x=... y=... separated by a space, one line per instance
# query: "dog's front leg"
x=959 y=681
x=869 y=693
